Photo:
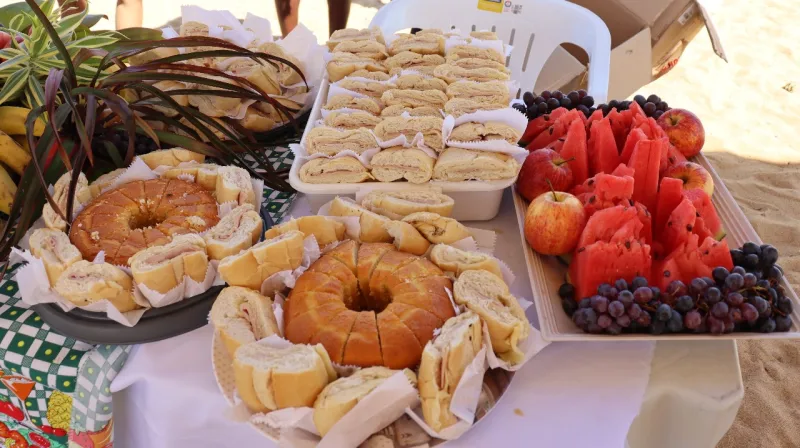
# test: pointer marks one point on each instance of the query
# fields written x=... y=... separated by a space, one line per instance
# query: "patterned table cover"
x=54 y=390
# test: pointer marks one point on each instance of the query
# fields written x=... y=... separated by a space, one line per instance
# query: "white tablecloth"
x=571 y=394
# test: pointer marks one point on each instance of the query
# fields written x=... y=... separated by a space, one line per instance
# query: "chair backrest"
x=534 y=31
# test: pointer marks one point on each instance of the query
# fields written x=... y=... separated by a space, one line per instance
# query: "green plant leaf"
x=35 y=94
x=19 y=22
x=26 y=40
x=93 y=41
x=13 y=64
x=68 y=24
x=14 y=85
x=29 y=123
x=141 y=34
x=52 y=34
x=9 y=12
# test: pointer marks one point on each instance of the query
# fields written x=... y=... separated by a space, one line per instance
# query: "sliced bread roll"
x=492 y=92
x=408 y=60
x=428 y=43
x=488 y=296
x=407 y=238
x=429 y=127
x=343 y=64
x=470 y=132
x=242 y=316
x=235 y=232
x=344 y=101
x=324 y=229
x=204 y=174
x=270 y=378
x=462 y=106
x=372 y=224
x=234 y=185
x=352 y=120
x=416 y=81
x=251 y=267
x=398 y=204
x=104 y=181
x=436 y=228
x=457 y=52
x=84 y=283
x=55 y=250
x=452 y=73
x=424 y=111
x=457 y=164
x=341 y=170
x=171 y=157
x=352 y=34
x=375 y=76
x=332 y=141
x=414 y=98
x=455 y=260
x=443 y=363
x=342 y=395
x=398 y=163
x=162 y=268
x=373 y=89
x=364 y=48
x=60 y=195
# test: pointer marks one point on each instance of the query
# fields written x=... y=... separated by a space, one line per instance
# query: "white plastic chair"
x=535 y=32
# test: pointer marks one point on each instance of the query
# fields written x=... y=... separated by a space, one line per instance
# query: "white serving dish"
x=547 y=274
x=475 y=200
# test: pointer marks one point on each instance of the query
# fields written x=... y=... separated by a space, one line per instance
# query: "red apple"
x=5 y=40
x=684 y=129
x=554 y=222
x=539 y=167
x=692 y=175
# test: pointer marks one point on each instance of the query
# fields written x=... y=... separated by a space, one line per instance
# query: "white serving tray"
x=475 y=200
x=547 y=274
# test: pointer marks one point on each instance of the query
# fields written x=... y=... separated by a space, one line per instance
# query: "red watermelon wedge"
x=647 y=221
x=557 y=130
x=690 y=260
x=556 y=145
x=636 y=109
x=702 y=203
x=623 y=170
x=539 y=124
x=631 y=140
x=679 y=226
x=618 y=128
x=670 y=194
x=606 y=191
x=603 y=154
x=673 y=157
x=645 y=160
x=597 y=115
x=575 y=147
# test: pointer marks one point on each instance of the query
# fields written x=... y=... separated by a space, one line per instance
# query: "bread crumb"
x=196 y=221
x=518 y=411
x=95 y=235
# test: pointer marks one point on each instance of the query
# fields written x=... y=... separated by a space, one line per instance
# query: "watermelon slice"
x=630 y=142
x=645 y=161
x=670 y=194
x=702 y=230
x=702 y=203
x=636 y=109
x=674 y=156
x=605 y=226
x=607 y=191
x=626 y=116
x=690 y=260
x=623 y=170
x=575 y=147
x=603 y=154
x=557 y=130
x=679 y=226
x=647 y=221
x=539 y=124
x=604 y=262
x=618 y=127
x=597 y=115
x=556 y=145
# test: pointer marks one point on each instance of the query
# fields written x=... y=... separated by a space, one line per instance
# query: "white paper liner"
x=346 y=110
x=335 y=89
x=417 y=142
x=259 y=26
x=481 y=241
x=352 y=224
x=369 y=188
x=277 y=309
x=187 y=288
x=169 y=32
x=279 y=281
x=365 y=157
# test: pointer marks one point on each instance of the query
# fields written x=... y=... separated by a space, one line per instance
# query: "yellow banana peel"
x=12 y=154
x=7 y=191
x=12 y=121
x=22 y=141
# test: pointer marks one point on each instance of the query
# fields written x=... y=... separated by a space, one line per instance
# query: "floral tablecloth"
x=54 y=390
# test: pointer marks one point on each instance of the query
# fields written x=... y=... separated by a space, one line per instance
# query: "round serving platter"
x=155 y=324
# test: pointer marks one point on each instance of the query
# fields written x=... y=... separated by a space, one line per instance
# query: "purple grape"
x=614 y=329
x=586 y=302
x=626 y=298
x=643 y=295
x=579 y=318
x=720 y=274
x=616 y=309
x=751 y=261
x=739 y=270
x=749 y=313
x=644 y=319
x=761 y=305
x=569 y=306
x=709 y=281
x=785 y=305
x=692 y=320
x=599 y=304
x=657 y=327
x=566 y=290
x=638 y=282
x=735 y=299
x=783 y=323
x=750 y=280
x=594 y=328
x=621 y=284
x=713 y=295
x=773 y=294
x=591 y=316
x=715 y=326
x=663 y=312
x=729 y=325
x=634 y=311
x=735 y=314
x=676 y=289
x=611 y=293
x=768 y=326
x=720 y=310
x=698 y=286
x=675 y=322
x=604 y=321
x=624 y=321
x=735 y=281
x=763 y=284
x=769 y=255
x=656 y=292
x=684 y=303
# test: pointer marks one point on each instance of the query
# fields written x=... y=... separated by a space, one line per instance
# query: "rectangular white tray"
x=474 y=200
x=547 y=274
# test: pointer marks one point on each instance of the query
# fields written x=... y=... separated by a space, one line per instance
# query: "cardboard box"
x=647 y=39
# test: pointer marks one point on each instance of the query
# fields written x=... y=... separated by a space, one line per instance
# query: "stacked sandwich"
x=383 y=90
x=381 y=309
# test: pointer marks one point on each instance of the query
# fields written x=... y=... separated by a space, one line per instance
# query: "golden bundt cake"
x=369 y=305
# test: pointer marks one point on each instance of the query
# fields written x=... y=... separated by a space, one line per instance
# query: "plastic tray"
x=475 y=200
x=547 y=274
x=156 y=323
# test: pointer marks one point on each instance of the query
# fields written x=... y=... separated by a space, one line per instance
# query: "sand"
x=752 y=122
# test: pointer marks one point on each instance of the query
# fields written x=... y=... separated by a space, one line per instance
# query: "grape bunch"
x=652 y=105
x=546 y=102
x=747 y=298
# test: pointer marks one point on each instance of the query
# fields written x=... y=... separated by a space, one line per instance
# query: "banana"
x=7 y=191
x=12 y=121
x=12 y=154
x=22 y=141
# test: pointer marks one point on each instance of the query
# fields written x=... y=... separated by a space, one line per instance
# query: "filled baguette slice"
x=364 y=49
x=455 y=260
x=443 y=363
x=324 y=229
x=372 y=224
x=407 y=238
x=235 y=232
x=55 y=250
x=332 y=141
x=341 y=170
x=270 y=378
x=162 y=268
x=488 y=296
x=242 y=316
x=204 y=174
x=470 y=132
x=354 y=35
x=352 y=120
x=341 y=396
x=429 y=127
x=60 y=195
x=397 y=204
x=398 y=163
x=234 y=185
x=251 y=267
x=458 y=164
x=84 y=283
x=171 y=157
x=436 y=228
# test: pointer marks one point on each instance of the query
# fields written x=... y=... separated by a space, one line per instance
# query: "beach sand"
x=752 y=123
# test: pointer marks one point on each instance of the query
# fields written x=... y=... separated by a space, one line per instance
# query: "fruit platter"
x=631 y=233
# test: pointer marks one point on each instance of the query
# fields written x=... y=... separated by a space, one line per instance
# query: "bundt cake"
x=369 y=305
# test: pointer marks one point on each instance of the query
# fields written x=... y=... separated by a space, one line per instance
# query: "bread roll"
x=103 y=182
x=492 y=92
x=216 y=106
x=415 y=81
x=269 y=378
x=414 y=98
x=84 y=283
x=454 y=260
x=398 y=163
x=351 y=34
x=346 y=253
x=204 y=174
x=352 y=120
x=457 y=52
x=341 y=170
x=263 y=75
x=342 y=395
x=429 y=127
x=424 y=111
x=436 y=228
x=162 y=268
x=344 y=101
x=443 y=363
x=364 y=49
x=452 y=73
x=251 y=267
x=242 y=316
x=171 y=157
x=473 y=63
x=407 y=238
x=487 y=295
x=462 y=106
x=60 y=195
x=408 y=60
x=235 y=232
x=371 y=89
x=369 y=255
x=375 y=76
x=372 y=224
x=398 y=204
x=457 y=164
x=429 y=43
x=343 y=64
x=324 y=229
x=257 y=121
x=287 y=76
x=471 y=132
x=332 y=141
x=55 y=251
x=234 y=185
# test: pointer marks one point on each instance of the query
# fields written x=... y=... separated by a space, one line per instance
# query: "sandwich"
x=324 y=229
x=332 y=141
x=407 y=238
x=397 y=204
x=234 y=185
x=350 y=34
x=343 y=64
x=492 y=92
x=352 y=120
x=471 y=132
x=242 y=316
x=364 y=48
x=429 y=127
x=408 y=60
x=414 y=98
x=162 y=268
x=190 y=29
x=423 y=111
x=204 y=174
x=166 y=86
x=105 y=181
x=456 y=164
x=342 y=395
x=216 y=106
x=257 y=121
x=151 y=55
x=287 y=76
x=373 y=89
x=457 y=52
x=84 y=283
x=342 y=170
x=269 y=378
x=415 y=81
x=235 y=232
x=484 y=35
x=452 y=73
x=60 y=195
x=262 y=75
x=462 y=106
x=375 y=76
x=55 y=250
x=443 y=363
x=457 y=261
x=436 y=228
x=473 y=63
x=372 y=224
x=429 y=43
x=398 y=163
x=344 y=101
x=487 y=296
x=171 y=157
x=424 y=68
x=251 y=267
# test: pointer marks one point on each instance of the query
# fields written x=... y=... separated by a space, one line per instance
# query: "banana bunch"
x=12 y=121
x=14 y=151
x=7 y=190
